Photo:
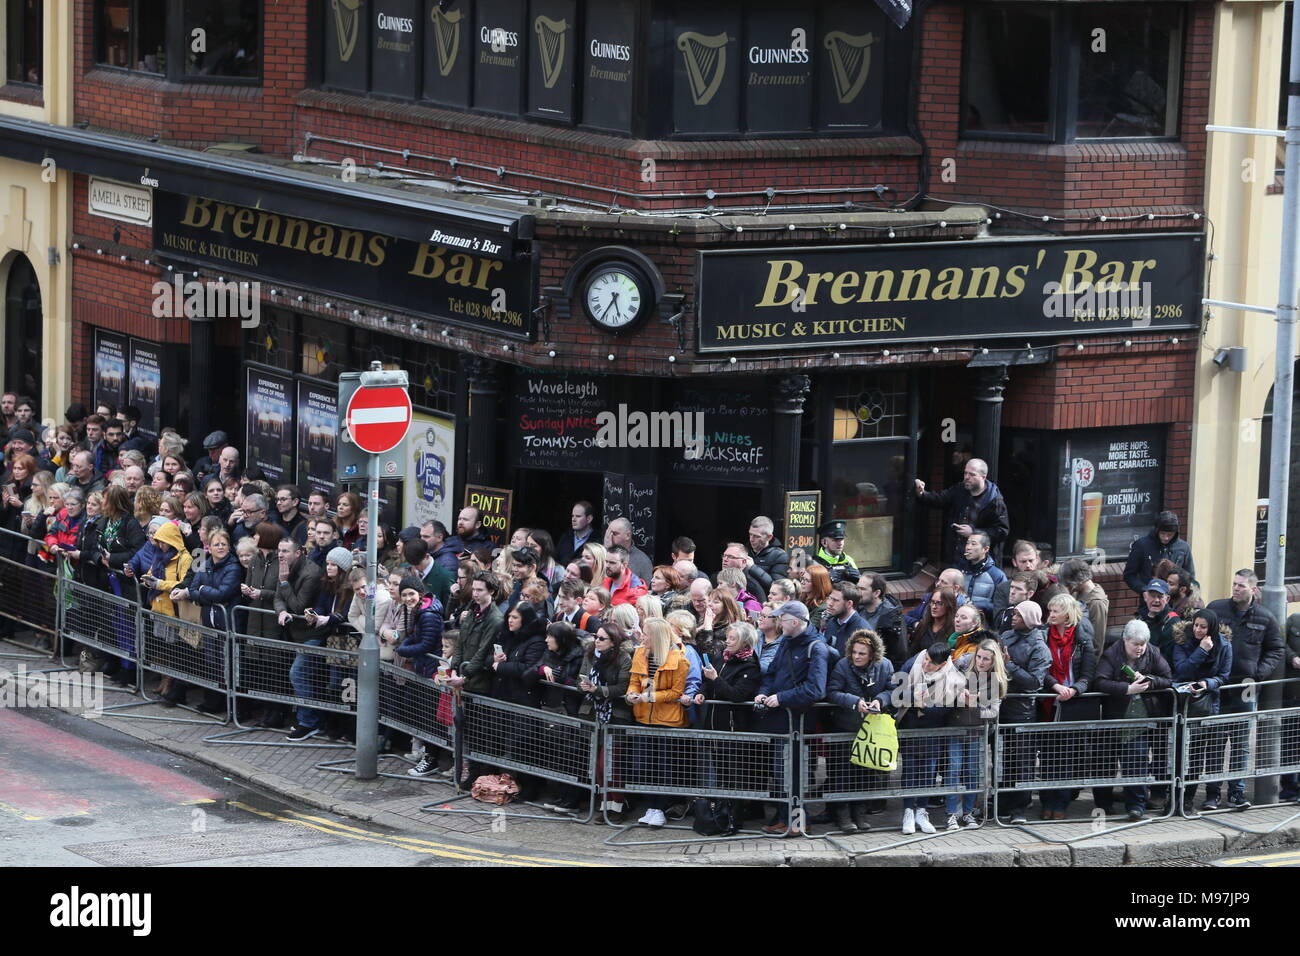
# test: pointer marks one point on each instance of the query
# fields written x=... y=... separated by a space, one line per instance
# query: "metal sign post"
x=367 y=766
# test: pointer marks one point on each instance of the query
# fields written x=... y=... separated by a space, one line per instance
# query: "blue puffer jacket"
x=848 y=685
x=422 y=637
x=216 y=589
x=798 y=673
x=981 y=581
x=1192 y=663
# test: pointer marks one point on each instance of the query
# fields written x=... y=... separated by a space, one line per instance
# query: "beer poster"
x=430 y=476
x=317 y=437
x=110 y=369
x=552 y=43
x=145 y=385
x=1112 y=484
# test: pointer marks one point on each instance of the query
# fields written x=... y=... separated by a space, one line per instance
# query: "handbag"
x=1200 y=705
x=876 y=745
x=714 y=818
x=493 y=788
x=348 y=641
x=187 y=610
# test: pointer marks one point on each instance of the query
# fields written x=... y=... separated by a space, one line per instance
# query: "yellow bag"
x=876 y=746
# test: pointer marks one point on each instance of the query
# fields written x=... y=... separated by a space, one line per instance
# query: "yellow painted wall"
x=34 y=214
x=1247 y=230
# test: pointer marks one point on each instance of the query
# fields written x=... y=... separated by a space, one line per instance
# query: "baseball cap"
x=1156 y=585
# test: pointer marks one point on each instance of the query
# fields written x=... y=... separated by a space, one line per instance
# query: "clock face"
x=613 y=298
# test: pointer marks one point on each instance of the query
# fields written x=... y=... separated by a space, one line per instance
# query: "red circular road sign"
x=378 y=418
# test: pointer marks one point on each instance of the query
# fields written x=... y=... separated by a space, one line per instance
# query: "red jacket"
x=629 y=591
x=63 y=531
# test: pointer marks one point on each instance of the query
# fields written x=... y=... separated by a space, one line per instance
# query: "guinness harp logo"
x=706 y=64
x=550 y=41
x=347 y=26
x=850 y=62
x=446 y=37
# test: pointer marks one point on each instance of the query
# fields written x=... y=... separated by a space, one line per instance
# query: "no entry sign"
x=378 y=418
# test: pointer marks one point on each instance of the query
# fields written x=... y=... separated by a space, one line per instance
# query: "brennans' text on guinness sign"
x=457 y=276
x=923 y=292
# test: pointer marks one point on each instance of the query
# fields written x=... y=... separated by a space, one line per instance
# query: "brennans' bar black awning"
x=259 y=185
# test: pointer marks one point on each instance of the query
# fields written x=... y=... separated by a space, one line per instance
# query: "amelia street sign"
x=378 y=418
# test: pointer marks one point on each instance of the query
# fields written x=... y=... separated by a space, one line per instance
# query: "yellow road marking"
x=1267 y=856
x=415 y=845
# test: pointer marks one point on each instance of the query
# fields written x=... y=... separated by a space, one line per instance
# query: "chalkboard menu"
x=1111 y=488
x=554 y=420
x=609 y=65
x=552 y=42
x=634 y=497
x=734 y=431
x=778 y=61
x=851 y=61
x=449 y=48
x=499 y=45
x=708 y=65
x=347 y=44
x=394 y=41
x=802 y=516
x=493 y=505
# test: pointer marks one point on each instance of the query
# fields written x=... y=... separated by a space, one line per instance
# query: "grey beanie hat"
x=340 y=556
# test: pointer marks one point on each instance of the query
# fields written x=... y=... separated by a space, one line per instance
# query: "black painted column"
x=202 y=352
x=484 y=386
x=787 y=423
x=989 y=383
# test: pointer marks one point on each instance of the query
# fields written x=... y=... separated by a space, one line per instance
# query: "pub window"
x=25 y=29
x=211 y=40
x=271 y=343
x=1293 y=492
x=231 y=38
x=869 y=450
x=1082 y=72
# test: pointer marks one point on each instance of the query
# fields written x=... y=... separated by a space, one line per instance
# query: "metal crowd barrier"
x=28 y=599
x=101 y=621
x=1243 y=745
x=291 y=674
x=418 y=706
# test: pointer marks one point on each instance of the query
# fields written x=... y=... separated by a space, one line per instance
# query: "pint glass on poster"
x=1090 y=506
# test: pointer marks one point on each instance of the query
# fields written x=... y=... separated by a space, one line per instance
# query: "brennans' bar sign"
x=856 y=295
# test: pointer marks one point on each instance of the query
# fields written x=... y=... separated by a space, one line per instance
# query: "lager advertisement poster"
x=145 y=391
x=1112 y=483
x=317 y=437
x=430 y=478
x=270 y=425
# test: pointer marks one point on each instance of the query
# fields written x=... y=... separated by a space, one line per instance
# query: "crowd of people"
x=586 y=624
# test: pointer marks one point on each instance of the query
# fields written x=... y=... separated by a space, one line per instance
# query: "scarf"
x=1060 y=644
x=603 y=705
x=963 y=644
x=937 y=689
x=744 y=654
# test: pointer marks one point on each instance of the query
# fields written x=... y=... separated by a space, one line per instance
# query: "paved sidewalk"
x=291 y=771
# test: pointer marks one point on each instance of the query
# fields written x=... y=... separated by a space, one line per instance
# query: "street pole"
x=1274 y=590
x=367 y=766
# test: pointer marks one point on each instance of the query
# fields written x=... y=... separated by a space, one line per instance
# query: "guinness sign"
x=779 y=68
x=609 y=65
x=708 y=68
x=706 y=64
x=850 y=58
x=930 y=292
x=346 y=45
x=393 y=54
x=551 y=57
x=447 y=55
x=498 y=61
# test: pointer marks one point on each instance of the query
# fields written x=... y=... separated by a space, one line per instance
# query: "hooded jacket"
x=797 y=675
x=769 y=565
x=737 y=683
x=1191 y=662
x=1027 y=665
x=170 y=566
x=216 y=590
x=848 y=684
x=1147 y=552
x=987 y=513
x=473 y=657
x=565 y=668
x=422 y=636
x=515 y=679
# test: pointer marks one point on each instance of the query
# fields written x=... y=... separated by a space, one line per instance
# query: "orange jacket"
x=669 y=685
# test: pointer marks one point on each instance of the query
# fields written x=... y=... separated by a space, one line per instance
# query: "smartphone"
x=496 y=648
x=707 y=665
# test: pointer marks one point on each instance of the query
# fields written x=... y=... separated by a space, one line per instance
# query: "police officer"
x=831 y=553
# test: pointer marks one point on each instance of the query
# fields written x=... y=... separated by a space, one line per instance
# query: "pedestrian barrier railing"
x=1059 y=758
x=28 y=602
x=787 y=769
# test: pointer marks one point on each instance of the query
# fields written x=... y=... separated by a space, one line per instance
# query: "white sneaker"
x=953 y=823
x=416 y=752
x=653 y=818
x=909 y=821
x=923 y=821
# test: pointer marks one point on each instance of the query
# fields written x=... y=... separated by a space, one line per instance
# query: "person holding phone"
x=1202 y=652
